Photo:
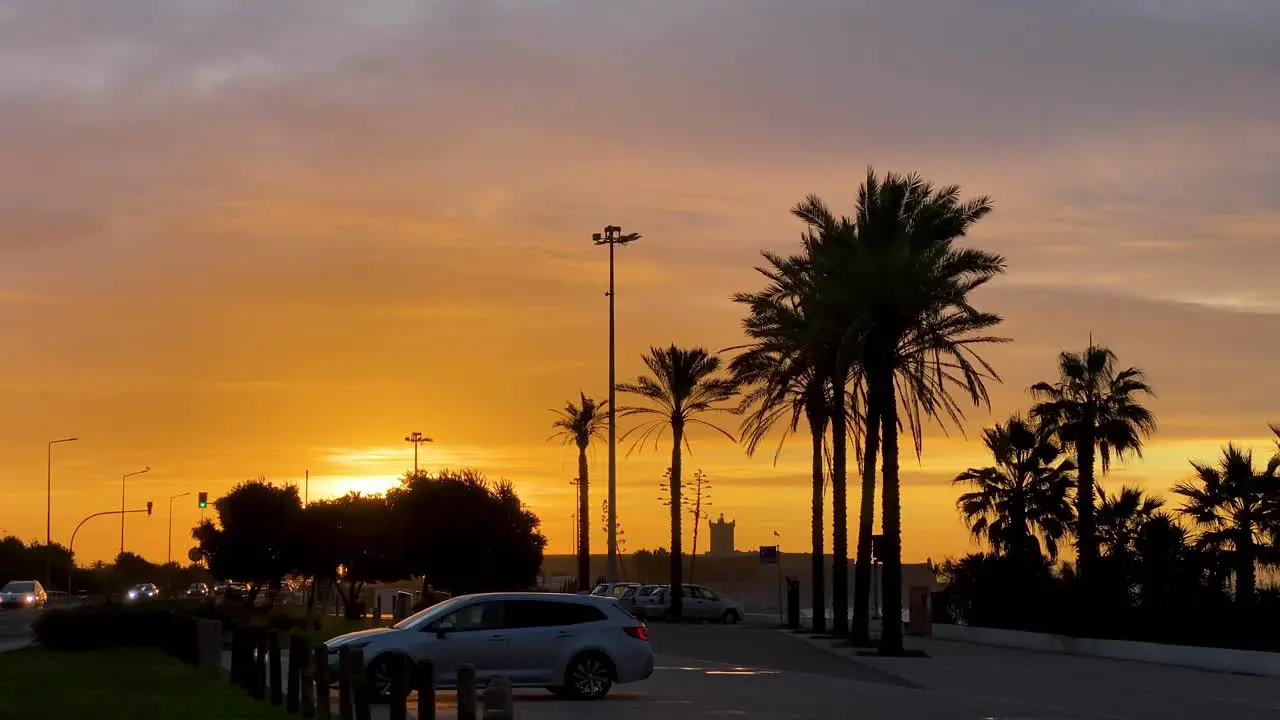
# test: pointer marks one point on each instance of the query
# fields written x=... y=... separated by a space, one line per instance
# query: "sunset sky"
x=256 y=237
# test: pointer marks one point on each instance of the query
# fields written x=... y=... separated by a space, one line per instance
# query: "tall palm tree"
x=1023 y=500
x=1094 y=409
x=897 y=275
x=579 y=425
x=1121 y=518
x=683 y=385
x=783 y=381
x=1233 y=504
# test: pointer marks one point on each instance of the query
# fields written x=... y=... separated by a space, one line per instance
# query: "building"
x=722 y=536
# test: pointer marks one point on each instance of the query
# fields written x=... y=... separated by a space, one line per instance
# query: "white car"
x=23 y=594
x=573 y=645
x=696 y=603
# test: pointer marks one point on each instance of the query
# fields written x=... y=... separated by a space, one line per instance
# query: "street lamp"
x=124 y=477
x=417 y=439
x=171 y=499
x=612 y=236
x=48 y=506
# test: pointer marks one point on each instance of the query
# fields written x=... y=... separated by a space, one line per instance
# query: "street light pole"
x=417 y=439
x=171 y=499
x=124 y=477
x=612 y=236
x=48 y=506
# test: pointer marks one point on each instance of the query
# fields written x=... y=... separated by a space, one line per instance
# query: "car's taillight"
x=638 y=632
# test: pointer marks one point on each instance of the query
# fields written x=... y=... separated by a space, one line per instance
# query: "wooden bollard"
x=425 y=674
x=360 y=686
x=467 y=692
x=258 y=684
x=320 y=679
x=299 y=654
x=345 y=707
x=276 y=684
x=497 y=700
x=398 y=667
x=237 y=656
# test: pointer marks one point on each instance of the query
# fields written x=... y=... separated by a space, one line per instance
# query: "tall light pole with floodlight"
x=48 y=504
x=417 y=439
x=612 y=236
x=124 y=477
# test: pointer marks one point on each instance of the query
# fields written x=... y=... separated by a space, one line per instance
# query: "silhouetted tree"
x=1234 y=505
x=785 y=378
x=901 y=288
x=684 y=384
x=350 y=542
x=580 y=424
x=258 y=538
x=1094 y=408
x=1023 y=500
x=463 y=533
x=1121 y=518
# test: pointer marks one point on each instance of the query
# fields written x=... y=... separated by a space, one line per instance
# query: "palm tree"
x=1094 y=408
x=1121 y=518
x=580 y=424
x=683 y=385
x=1234 y=504
x=897 y=275
x=784 y=381
x=1023 y=500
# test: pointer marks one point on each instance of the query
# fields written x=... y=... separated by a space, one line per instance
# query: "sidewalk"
x=1070 y=685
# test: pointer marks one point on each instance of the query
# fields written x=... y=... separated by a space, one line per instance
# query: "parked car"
x=573 y=645
x=23 y=594
x=623 y=593
x=142 y=593
x=198 y=590
x=697 y=603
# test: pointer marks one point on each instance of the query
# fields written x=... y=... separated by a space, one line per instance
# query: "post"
x=467 y=692
x=273 y=660
x=359 y=686
x=209 y=641
x=426 y=677
x=613 y=440
x=319 y=697
x=345 y=674
x=780 y=622
x=377 y=610
x=298 y=655
x=237 y=660
x=398 y=665
x=259 y=687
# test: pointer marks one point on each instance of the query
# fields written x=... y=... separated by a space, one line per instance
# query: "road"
x=15 y=628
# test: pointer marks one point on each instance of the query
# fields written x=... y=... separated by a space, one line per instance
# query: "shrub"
x=103 y=626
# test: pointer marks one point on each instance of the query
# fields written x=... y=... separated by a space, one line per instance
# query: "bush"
x=106 y=626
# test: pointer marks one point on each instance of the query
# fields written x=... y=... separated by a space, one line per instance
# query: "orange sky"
x=258 y=238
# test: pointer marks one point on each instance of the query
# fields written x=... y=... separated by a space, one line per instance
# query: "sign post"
x=771 y=555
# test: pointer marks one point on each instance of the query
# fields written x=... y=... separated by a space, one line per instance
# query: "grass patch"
x=126 y=683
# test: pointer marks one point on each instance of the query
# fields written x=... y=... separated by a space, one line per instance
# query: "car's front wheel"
x=588 y=677
x=731 y=617
x=378 y=678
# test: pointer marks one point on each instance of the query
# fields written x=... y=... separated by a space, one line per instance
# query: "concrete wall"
x=1218 y=659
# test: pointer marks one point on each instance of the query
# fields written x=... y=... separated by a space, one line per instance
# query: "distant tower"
x=722 y=536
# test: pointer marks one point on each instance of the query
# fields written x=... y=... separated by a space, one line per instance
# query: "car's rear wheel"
x=731 y=617
x=588 y=677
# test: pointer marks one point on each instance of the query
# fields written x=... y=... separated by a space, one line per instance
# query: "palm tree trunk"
x=891 y=526
x=677 y=556
x=584 y=524
x=866 y=517
x=817 y=431
x=839 y=510
x=1086 y=491
x=1246 y=573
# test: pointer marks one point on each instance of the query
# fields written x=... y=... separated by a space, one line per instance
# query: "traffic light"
x=148 y=508
x=203 y=500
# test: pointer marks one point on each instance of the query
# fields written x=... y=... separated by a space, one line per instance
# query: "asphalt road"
x=706 y=671
x=15 y=628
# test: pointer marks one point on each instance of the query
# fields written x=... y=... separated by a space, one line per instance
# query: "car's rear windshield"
x=17 y=586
